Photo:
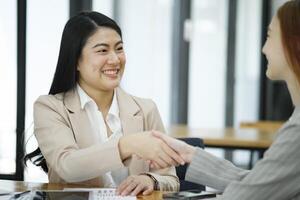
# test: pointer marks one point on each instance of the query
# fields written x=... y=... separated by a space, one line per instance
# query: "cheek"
x=95 y=68
x=122 y=58
x=97 y=63
x=277 y=69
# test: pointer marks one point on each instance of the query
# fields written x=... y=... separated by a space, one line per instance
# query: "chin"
x=274 y=76
x=112 y=86
x=269 y=76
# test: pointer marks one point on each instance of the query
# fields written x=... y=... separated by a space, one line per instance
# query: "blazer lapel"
x=81 y=126
x=132 y=120
x=130 y=113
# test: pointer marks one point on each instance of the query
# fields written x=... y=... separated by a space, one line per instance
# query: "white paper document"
x=102 y=194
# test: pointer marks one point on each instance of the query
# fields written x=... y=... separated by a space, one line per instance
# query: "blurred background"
x=199 y=60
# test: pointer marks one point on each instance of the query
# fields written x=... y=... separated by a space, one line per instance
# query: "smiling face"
x=102 y=61
x=278 y=67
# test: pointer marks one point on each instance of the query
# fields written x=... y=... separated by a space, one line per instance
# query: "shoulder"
x=287 y=140
x=52 y=102
x=141 y=106
x=50 y=99
x=50 y=108
x=145 y=104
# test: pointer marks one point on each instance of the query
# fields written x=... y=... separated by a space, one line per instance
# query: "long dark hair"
x=75 y=34
x=289 y=19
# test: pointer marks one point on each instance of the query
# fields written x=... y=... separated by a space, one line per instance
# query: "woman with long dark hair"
x=277 y=175
x=88 y=129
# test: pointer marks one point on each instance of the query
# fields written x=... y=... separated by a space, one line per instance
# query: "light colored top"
x=74 y=153
x=98 y=124
x=275 y=177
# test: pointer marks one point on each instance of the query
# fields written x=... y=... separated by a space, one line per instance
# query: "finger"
x=148 y=191
x=129 y=188
x=161 y=162
x=154 y=165
x=123 y=185
x=138 y=189
x=167 y=155
x=163 y=137
x=151 y=164
x=174 y=144
x=157 y=134
x=167 y=139
x=160 y=135
x=173 y=155
x=166 y=158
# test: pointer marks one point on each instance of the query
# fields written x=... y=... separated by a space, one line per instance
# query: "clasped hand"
x=159 y=150
x=150 y=148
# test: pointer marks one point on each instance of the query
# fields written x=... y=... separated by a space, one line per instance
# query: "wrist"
x=191 y=152
x=125 y=148
x=153 y=179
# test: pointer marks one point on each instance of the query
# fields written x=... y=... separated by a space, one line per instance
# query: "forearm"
x=77 y=165
x=211 y=171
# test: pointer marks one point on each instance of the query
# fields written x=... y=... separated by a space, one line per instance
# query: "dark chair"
x=181 y=170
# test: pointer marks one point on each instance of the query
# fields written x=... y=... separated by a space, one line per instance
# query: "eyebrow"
x=106 y=45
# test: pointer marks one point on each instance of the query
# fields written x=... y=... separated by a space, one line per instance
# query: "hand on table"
x=134 y=184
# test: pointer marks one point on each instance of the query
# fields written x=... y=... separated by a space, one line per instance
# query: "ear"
x=78 y=66
x=78 y=63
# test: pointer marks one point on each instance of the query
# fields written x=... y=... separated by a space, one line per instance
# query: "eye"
x=101 y=51
x=120 y=48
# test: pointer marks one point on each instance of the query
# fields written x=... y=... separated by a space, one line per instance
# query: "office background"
x=199 y=60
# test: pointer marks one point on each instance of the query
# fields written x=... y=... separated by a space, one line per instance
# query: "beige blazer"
x=72 y=152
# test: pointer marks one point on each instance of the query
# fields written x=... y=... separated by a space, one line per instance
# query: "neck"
x=103 y=98
x=294 y=89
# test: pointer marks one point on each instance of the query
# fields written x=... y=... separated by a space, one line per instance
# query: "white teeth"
x=110 y=71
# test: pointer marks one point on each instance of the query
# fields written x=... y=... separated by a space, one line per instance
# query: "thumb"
x=162 y=136
x=157 y=134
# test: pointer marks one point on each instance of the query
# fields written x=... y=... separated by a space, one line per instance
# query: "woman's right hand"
x=149 y=148
x=185 y=150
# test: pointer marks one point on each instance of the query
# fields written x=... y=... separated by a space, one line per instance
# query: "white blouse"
x=113 y=121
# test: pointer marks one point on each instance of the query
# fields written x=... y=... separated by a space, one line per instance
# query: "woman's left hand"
x=134 y=184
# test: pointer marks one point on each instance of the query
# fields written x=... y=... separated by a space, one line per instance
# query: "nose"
x=113 y=59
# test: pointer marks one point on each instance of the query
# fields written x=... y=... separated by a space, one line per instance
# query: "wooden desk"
x=20 y=186
x=228 y=138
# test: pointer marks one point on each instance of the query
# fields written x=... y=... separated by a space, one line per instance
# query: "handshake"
x=158 y=149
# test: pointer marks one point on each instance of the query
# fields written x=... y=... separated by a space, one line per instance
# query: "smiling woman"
x=91 y=131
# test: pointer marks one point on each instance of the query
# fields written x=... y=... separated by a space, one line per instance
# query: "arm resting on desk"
x=167 y=179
